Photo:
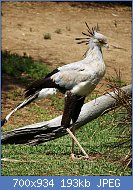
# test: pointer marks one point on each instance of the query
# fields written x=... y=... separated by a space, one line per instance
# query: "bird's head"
x=93 y=37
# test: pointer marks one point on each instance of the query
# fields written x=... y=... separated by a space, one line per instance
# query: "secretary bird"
x=76 y=80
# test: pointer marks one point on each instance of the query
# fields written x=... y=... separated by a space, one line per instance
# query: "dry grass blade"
x=124 y=123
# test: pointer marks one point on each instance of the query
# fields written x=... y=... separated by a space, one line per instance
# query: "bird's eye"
x=101 y=41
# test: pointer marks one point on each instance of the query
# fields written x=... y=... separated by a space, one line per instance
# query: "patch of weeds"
x=58 y=31
x=47 y=36
x=123 y=122
x=115 y=81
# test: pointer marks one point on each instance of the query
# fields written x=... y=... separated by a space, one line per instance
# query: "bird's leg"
x=73 y=142
x=77 y=142
x=66 y=119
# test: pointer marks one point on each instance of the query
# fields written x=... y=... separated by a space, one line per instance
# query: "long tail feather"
x=40 y=94
x=21 y=105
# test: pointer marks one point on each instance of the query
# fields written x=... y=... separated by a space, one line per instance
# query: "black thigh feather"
x=79 y=101
x=72 y=108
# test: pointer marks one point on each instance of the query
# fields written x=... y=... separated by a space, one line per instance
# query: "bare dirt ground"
x=25 y=23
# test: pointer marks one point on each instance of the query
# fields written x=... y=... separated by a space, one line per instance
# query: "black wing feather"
x=45 y=82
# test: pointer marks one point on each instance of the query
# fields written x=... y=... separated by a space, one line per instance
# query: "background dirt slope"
x=25 y=23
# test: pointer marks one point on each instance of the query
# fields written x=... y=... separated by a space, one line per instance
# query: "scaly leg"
x=77 y=142
x=73 y=142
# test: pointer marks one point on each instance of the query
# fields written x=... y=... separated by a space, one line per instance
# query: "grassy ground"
x=100 y=138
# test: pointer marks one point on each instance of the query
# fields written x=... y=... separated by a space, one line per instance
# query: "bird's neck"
x=94 y=59
x=94 y=52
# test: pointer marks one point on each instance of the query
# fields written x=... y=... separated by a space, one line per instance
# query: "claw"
x=80 y=157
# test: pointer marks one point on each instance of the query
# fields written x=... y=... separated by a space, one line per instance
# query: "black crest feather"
x=90 y=34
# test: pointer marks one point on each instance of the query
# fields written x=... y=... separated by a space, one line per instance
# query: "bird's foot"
x=80 y=157
x=72 y=156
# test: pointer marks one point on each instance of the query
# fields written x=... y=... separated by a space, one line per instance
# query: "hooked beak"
x=106 y=45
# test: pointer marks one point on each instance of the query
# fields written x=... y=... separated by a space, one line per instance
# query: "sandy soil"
x=25 y=23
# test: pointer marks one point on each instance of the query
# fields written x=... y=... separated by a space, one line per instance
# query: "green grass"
x=22 y=67
x=100 y=138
